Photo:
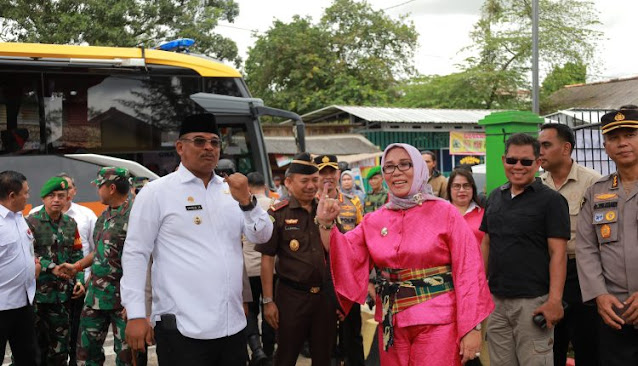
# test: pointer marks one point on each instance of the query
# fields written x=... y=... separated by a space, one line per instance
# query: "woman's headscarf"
x=354 y=191
x=420 y=190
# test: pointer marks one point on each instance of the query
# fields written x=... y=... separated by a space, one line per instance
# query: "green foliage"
x=120 y=23
x=570 y=73
x=353 y=55
x=502 y=43
x=503 y=39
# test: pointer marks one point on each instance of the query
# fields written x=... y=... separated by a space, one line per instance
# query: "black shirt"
x=518 y=264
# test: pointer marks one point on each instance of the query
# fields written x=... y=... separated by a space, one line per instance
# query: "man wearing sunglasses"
x=526 y=227
x=607 y=242
x=192 y=222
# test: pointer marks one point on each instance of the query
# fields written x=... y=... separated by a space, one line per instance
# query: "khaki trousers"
x=514 y=339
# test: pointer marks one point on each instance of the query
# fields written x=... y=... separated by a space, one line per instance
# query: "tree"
x=126 y=23
x=503 y=40
x=570 y=73
x=353 y=55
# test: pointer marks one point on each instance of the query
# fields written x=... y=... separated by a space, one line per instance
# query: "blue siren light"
x=177 y=45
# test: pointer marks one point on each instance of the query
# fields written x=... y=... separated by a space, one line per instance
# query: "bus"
x=76 y=108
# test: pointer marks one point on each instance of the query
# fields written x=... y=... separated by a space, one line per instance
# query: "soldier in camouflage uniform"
x=103 y=305
x=378 y=195
x=56 y=242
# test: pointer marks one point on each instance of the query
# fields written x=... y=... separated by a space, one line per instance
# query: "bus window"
x=19 y=117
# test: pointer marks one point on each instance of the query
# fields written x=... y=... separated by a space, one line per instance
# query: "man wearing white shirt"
x=85 y=218
x=18 y=270
x=191 y=223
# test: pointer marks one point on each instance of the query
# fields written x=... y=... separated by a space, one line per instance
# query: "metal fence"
x=589 y=150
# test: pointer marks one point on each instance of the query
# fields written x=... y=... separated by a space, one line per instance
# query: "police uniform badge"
x=610 y=215
x=190 y=199
x=605 y=231
x=598 y=217
x=294 y=245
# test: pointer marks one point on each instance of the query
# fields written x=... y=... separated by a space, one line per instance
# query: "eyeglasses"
x=524 y=162
x=402 y=166
x=201 y=142
x=458 y=186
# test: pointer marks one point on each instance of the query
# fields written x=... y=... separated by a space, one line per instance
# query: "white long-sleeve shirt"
x=194 y=234
x=17 y=263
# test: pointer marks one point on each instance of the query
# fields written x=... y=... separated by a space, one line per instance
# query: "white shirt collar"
x=473 y=206
x=186 y=175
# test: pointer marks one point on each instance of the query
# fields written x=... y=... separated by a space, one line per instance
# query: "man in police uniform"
x=56 y=242
x=378 y=195
x=103 y=305
x=350 y=215
x=301 y=307
x=606 y=242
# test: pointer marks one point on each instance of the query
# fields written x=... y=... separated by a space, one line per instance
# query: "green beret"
x=110 y=174
x=373 y=171
x=54 y=184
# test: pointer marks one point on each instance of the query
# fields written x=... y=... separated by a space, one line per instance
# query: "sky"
x=444 y=27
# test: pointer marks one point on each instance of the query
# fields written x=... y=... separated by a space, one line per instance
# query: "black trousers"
x=579 y=325
x=267 y=333
x=18 y=327
x=617 y=347
x=75 y=310
x=350 y=337
x=175 y=349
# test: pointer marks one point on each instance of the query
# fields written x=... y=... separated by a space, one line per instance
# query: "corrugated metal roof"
x=609 y=94
x=346 y=144
x=400 y=115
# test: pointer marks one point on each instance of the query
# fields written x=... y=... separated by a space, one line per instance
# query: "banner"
x=467 y=143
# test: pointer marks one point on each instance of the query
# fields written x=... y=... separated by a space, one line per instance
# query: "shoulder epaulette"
x=281 y=204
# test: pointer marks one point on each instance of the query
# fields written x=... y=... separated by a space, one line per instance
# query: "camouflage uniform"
x=54 y=243
x=102 y=306
x=374 y=201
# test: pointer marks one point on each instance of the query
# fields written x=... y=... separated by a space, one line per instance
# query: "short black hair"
x=523 y=139
x=563 y=132
x=628 y=106
x=122 y=186
x=256 y=179
x=10 y=181
x=467 y=173
x=428 y=152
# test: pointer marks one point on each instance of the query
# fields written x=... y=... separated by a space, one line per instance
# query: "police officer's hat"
x=623 y=118
x=302 y=164
x=324 y=161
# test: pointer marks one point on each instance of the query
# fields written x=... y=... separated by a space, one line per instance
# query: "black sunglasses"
x=524 y=162
x=201 y=142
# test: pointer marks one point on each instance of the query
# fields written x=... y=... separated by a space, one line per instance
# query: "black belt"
x=300 y=286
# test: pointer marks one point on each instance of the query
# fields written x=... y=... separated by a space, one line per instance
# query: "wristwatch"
x=251 y=205
x=266 y=300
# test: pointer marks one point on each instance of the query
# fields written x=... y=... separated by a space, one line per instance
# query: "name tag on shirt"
x=193 y=207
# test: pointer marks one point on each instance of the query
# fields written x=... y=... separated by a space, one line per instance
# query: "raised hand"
x=327 y=210
x=238 y=185
x=78 y=291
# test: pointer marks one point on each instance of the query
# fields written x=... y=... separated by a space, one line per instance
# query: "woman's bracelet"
x=325 y=227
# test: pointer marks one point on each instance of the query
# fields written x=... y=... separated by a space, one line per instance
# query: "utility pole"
x=535 y=86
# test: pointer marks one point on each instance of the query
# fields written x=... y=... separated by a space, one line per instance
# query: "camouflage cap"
x=139 y=182
x=110 y=174
x=54 y=184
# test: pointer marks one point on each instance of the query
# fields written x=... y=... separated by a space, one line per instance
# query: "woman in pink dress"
x=461 y=190
x=431 y=288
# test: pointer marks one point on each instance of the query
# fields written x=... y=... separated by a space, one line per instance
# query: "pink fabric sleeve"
x=473 y=299
x=350 y=265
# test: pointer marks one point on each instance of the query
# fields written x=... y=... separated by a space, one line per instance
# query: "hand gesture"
x=69 y=269
x=38 y=268
x=59 y=271
x=138 y=333
x=470 y=346
x=606 y=304
x=238 y=185
x=78 y=291
x=271 y=314
x=327 y=210
x=631 y=312
x=552 y=311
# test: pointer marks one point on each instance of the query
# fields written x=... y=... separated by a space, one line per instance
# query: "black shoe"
x=305 y=350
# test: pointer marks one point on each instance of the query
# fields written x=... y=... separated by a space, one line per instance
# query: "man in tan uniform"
x=607 y=243
x=570 y=179
x=437 y=181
